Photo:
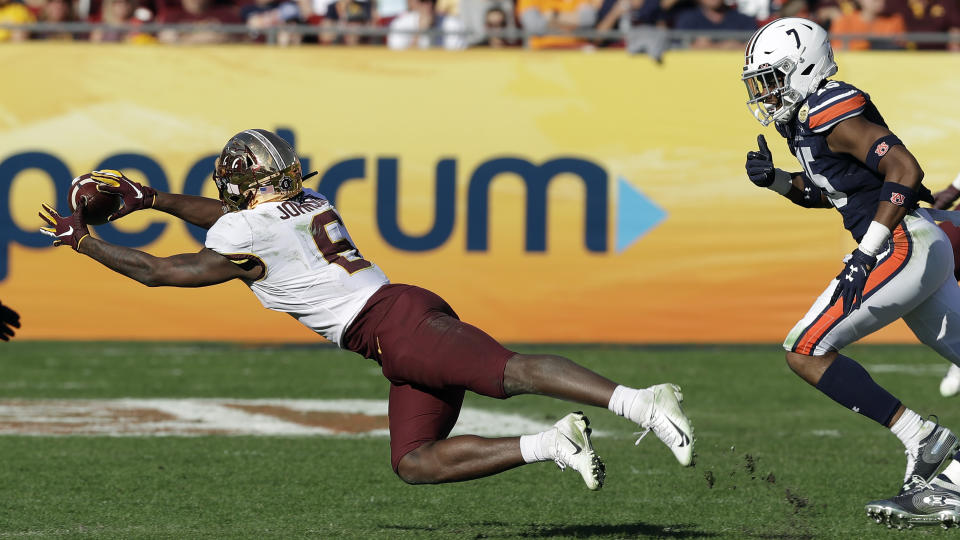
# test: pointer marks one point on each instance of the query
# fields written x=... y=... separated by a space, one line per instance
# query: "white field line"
x=910 y=369
x=164 y=417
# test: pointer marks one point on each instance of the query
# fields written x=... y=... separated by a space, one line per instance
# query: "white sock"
x=631 y=403
x=952 y=472
x=539 y=446
x=910 y=428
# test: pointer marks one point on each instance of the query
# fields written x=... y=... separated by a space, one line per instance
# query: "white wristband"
x=956 y=182
x=782 y=182
x=873 y=240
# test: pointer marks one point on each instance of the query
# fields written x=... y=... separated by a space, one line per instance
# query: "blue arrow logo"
x=636 y=214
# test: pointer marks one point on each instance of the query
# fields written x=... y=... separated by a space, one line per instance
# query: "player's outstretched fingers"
x=47 y=219
x=53 y=213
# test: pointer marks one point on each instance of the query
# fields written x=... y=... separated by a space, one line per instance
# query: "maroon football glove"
x=135 y=195
x=945 y=199
x=68 y=230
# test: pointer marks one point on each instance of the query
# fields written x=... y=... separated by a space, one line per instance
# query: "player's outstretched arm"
x=199 y=211
x=186 y=270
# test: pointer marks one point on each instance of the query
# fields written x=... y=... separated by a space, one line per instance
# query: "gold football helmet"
x=257 y=166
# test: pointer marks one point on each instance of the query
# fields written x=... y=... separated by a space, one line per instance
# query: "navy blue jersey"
x=852 y=188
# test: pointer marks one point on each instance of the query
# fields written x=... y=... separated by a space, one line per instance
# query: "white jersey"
x=313 y=270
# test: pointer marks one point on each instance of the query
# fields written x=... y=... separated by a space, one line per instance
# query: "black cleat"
x=926 y=458
x=934 y=503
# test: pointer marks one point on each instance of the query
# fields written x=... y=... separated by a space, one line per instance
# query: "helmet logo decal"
x=796 y=36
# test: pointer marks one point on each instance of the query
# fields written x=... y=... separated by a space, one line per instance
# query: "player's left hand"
x=135 y=195
x=853 y=279
x=9 y=319
x=65 y=231
x=945 y=199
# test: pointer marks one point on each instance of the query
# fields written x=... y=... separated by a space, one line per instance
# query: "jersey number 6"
x=331 y=238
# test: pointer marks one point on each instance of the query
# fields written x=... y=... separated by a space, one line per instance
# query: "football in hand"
x=99 y=205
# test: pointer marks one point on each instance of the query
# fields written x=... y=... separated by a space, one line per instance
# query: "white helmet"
x=785 y=62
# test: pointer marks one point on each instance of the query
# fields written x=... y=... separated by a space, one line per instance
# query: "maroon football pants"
x=430 y=358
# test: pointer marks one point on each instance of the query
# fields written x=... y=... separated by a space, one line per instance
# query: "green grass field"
x=776 y=459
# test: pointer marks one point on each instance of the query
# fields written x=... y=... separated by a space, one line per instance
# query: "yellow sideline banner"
x=549 y=197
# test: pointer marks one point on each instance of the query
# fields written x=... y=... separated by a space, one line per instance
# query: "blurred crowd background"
x=457 y=24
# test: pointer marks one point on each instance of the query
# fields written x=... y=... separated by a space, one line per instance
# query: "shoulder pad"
x=834 y=102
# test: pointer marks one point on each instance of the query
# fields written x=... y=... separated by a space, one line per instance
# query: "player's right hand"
x=760 y=164
x=135 y=195
x=943 y=200
x=9 y=319
x=66 y=231
x=852 y=280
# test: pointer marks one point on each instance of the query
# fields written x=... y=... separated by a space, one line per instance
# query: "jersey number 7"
x=330 y=236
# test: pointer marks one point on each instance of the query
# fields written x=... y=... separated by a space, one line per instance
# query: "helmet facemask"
x=771 y=96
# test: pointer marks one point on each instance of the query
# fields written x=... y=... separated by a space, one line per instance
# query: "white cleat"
x=668 y=422
x=950 y=385
x=574 y=449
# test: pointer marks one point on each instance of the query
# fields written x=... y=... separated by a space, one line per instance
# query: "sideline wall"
x=727 y=263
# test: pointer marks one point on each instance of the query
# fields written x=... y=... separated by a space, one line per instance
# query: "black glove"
x=760 y=164
x=9 y=319
x=853 y=279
